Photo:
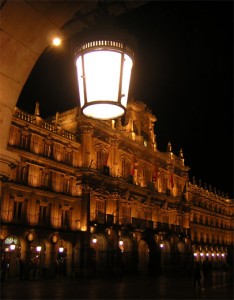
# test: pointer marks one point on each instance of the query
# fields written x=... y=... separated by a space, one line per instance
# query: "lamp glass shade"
x=104 y=73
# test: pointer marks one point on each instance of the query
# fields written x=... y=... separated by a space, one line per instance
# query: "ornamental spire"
x=169 y=147
x=37 y=109
x=169 y=150
x=181 y=156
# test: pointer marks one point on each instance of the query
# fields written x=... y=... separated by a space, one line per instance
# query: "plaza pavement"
x=165 y=286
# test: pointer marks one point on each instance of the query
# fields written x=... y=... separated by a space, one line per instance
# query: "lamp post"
x=85 y=250
x=38 y=262
x=121 y=255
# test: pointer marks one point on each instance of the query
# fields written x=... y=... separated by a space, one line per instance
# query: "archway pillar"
x=8 y=160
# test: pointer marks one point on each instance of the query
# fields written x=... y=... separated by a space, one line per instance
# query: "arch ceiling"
x=26 y=30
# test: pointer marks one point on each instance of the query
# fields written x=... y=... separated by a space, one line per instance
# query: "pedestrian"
x=197 y=275
x=21 y=269
x=206 y=268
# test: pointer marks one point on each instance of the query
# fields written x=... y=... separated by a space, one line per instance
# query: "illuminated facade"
x=91 y=198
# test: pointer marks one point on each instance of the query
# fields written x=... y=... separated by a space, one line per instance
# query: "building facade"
x=96 y=198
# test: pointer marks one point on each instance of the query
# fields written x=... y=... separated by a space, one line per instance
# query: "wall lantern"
x=121 y=243
x=38 y=248
x=12 y=247
x=30 y=237
x=104 y=59
x=94 y=240
x=61 y=249
x=54 y=238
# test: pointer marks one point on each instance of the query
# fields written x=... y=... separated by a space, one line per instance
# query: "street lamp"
x=104 y=60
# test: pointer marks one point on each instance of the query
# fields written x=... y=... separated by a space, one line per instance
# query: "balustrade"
x=43 y=124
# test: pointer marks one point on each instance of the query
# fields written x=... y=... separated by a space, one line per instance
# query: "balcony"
x=142 y=224
x=102 y=218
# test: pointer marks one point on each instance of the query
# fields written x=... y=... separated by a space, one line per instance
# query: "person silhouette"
x=197 y=275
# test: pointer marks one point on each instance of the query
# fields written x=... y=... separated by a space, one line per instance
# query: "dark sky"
x=183 y=72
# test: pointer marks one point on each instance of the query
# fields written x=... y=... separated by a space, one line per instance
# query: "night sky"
x=183 y=72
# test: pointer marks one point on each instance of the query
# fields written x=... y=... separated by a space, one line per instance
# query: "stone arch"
x=102 y=242
x=20 y=23
x=127 y=254
x=165 y=250
x=154 y=254
x=181 y=247
x=62 y=258
x=99 y=253
x=11 y=256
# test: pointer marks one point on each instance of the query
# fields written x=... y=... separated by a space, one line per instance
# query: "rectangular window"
x=100 y=211
x=25 y=140
x=100 y=159
x=125 y=169
x=69 y=157
x=42 y=214
x=148 y=215
x=67 y=185
x=65 y=217
x=100 y=206
x=17 y=210
x=146 y=175
x=126 y=215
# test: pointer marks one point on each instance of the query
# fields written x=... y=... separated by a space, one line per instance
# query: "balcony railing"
x=43 y=124
x=138 y=223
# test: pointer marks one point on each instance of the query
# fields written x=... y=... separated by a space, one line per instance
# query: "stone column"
x=115 y=156
x=8 y=160
x=85 y=250
x=86 y=145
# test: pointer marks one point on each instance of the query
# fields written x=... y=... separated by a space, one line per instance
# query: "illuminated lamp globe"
x=104 y=61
